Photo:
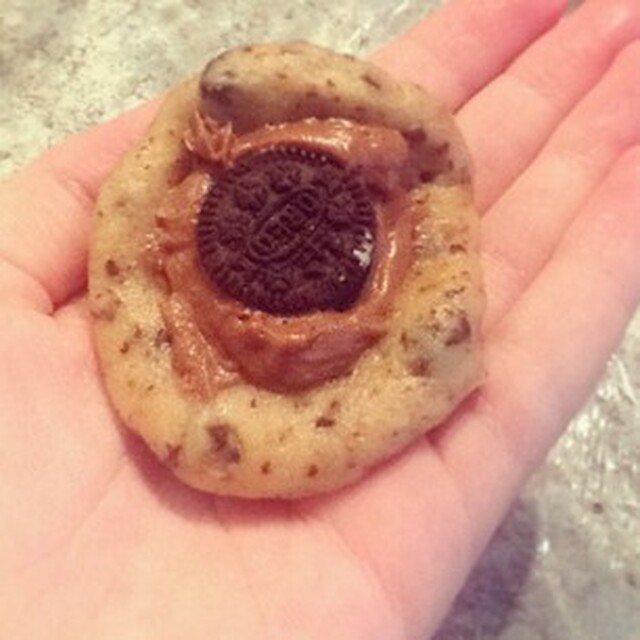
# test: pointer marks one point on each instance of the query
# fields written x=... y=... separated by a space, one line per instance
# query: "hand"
x=98 y=541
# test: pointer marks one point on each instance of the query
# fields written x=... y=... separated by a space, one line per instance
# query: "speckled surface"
x=565 y=565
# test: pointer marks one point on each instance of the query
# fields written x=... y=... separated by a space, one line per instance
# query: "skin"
x=97 y=541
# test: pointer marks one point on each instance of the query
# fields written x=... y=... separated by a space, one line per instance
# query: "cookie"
x=310 y=232
x=284 y=278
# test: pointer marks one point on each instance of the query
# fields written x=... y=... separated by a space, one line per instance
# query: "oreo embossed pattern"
x=288 y=231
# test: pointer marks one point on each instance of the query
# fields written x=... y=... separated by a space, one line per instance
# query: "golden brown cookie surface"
x=224 y=394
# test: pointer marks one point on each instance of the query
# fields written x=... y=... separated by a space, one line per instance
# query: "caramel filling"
x=217 y=341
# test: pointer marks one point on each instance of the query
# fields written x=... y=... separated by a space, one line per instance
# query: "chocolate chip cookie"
x=284 y=276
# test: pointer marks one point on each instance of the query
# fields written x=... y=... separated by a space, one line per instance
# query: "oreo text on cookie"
x=288 y=231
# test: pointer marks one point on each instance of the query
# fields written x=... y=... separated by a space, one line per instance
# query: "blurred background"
x=565 y=564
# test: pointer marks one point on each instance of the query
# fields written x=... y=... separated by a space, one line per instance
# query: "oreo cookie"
x=288 y=231
x=287 y=406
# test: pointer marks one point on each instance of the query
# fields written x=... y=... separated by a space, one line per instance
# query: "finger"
x=545 y=358
x=507 y=123
x=464 y=45
x=44 y=221
x=522 y=229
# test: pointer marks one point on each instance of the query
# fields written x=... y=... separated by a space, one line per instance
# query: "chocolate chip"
x=161 y=339
x=172 y=455
x=416 y=135
x=450 y=294
x=324 y=422
x=265 y=469
x=124 y=347
x=224 y=443
x=288 y=231
x=312 y=471
x=285 y=435
x=372 y=82
x=328 y=418
x=111 y=267
x=459 y=332
x=105 y=305
x=406 y=342
x=420 y=367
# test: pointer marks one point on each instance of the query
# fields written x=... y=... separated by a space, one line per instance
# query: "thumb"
x=45 y=207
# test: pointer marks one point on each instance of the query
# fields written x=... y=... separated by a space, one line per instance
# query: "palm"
x=117 y=537
x=98 y=541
